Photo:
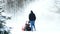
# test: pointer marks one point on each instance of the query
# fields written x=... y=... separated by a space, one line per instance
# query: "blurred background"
x=47 y=13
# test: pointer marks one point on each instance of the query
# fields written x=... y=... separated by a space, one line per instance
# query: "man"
x=32 y=19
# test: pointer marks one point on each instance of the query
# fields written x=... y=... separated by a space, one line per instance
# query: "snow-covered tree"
x=3 y=19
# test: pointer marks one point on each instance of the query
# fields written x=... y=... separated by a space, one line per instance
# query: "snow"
x=47 y=22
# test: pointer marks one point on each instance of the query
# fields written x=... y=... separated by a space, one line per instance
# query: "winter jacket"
x=32 y=17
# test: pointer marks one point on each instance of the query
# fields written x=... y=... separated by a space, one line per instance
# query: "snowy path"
x=46 y=21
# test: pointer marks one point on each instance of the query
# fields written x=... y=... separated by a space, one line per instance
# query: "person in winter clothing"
x=32 y=19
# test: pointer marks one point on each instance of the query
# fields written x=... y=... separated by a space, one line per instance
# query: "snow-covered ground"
x=47 y=21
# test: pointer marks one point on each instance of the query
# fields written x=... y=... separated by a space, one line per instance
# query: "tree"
x=57 y=5
x=3 y=20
